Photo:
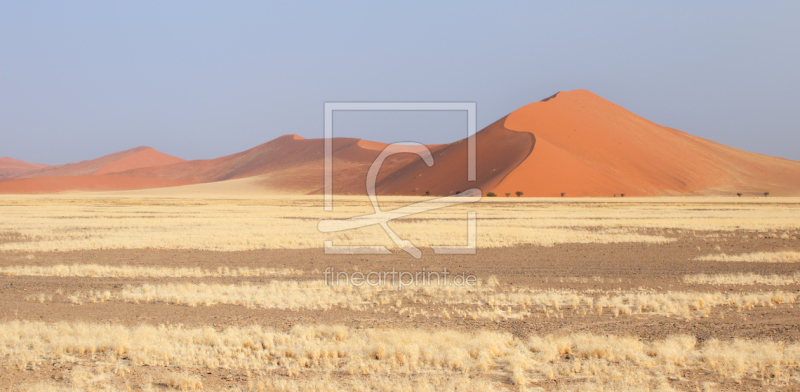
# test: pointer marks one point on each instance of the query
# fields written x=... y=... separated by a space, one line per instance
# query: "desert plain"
x=162 y=290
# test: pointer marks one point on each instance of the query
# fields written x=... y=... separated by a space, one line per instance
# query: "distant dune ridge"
x=573 y=143
x=112 y=163
x=91 y=175
x=10 y=167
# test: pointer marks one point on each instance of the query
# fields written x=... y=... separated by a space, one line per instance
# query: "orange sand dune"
x=120 y=161
x=105 y=182
x=588 y=146
x=10 y=167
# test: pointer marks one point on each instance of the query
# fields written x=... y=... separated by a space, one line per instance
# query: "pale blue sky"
x=204 y=79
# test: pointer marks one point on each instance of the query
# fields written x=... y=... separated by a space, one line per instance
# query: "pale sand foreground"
x=120 y=221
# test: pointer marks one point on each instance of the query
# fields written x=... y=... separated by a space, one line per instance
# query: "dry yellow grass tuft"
x=486 y=301
x=103 y=222
x=686 y=304
x=758 y=257
x=108 y=271
x=455 y=382
x=609 y=362
x=184 y=382
x=743 y=279
x=290 y=295
x=452 y=382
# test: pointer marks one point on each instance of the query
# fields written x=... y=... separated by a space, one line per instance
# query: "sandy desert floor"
x=139 y=291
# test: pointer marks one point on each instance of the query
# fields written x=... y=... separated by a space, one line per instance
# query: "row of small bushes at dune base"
x=563 y=194
x=519 y=194
x=508 y=194
x=766 y=194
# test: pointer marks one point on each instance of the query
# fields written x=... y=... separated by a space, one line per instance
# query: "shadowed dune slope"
x=498 y=152
x=291 y=163
x=288 y=162
x=588 y=146
x=10 y=167
x=120 y=161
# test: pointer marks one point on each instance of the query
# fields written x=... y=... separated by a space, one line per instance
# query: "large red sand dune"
x=10 y=167
x=574 y=143
x=588 y=146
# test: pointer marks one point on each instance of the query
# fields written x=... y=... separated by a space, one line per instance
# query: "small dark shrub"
x=519 y=193
x=766 y=194
x=508 y=194
x=563 y=193
x=491 y=194
x=739 y=194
